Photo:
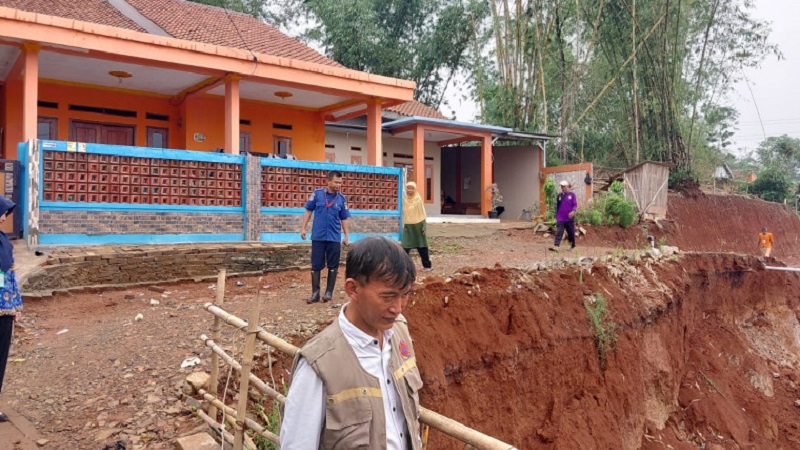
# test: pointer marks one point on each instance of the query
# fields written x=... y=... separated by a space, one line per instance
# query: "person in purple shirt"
x=566 y=205
x=329 y=208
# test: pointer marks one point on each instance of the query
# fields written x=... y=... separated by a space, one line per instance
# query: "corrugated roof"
x=415 y=108
x=95 y=11
x=184 y=20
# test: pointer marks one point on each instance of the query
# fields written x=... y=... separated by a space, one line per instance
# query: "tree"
x=254 y=8
x=782 y=153
x=773 y=185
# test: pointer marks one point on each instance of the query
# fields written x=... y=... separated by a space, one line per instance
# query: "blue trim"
x=353 y=212
x=22 y=156
x=445 y=123
x=135 y=207
x=294 y=238
x=317 y=165
x=146 y=152
x=84 y=239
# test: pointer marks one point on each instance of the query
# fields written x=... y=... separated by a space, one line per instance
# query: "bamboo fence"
x=239 y=439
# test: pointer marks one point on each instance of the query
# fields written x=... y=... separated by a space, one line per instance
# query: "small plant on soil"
x=662 y=241
x=601 y=325
x=550 y=200
x=271 y=418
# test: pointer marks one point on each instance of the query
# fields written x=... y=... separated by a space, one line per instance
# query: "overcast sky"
x=776 y=85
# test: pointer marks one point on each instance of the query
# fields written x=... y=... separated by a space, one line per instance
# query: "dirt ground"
x=86 y=373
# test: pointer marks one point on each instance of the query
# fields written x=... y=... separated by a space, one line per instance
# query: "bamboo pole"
x=252 y=424
x=434 y=420
x=217 y=427
x=215 y=330
x=257 y=382
x=265 y=337
x=785 y=269
x=247 y=368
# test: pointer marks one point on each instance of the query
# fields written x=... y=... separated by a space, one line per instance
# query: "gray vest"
x=354 y=415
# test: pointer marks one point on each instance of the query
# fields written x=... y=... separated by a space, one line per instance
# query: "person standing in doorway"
x=566 y=205
x=356 y=384
x=765 y=240
x=329 y=208
x=10 y=297
x=415 y=225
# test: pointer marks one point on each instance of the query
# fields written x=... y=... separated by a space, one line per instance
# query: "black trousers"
x=325 y=252
x=6 y=327
x=570 y=228
x=424 y=256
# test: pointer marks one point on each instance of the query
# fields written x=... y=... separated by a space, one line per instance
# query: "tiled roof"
x=202 y=23
x=184 y=20
x=415 y=108
x=95 y=11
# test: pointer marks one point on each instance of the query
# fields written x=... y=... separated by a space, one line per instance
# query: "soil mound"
x=705 y=352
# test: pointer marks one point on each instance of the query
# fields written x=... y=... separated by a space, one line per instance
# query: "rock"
x=154 y=302
x=200 y=441
x=582 y=230
x=130 y=296
x=42 y=442
x=158 y=289
x=195 y=382
x=106 y=433
x=797 y=403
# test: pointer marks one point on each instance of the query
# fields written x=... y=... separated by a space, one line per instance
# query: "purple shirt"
x=568 y=204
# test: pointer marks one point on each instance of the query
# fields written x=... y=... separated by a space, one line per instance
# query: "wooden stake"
x=215 y=330
x=250 y=423
x=260 y=385
x=247 y=367
x=267 y=338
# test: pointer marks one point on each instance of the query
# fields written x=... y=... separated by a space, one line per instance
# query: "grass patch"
x=601 y=325
x=447 y=247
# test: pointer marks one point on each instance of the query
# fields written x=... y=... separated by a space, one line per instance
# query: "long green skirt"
x=413 y=237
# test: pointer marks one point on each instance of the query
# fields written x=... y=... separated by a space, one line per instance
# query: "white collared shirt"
x=304 y=414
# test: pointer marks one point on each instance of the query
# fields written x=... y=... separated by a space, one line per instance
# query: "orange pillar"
x=30 y=90
x=486 y=173
x=232 y=114
x=419 y=159
x=374 y=134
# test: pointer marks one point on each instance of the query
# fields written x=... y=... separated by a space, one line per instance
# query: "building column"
x=374 y=133
x=232 y=114
x=486 y=173
x=30 y=90
x=419 y=159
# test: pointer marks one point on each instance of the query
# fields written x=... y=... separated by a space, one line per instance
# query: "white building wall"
x=341 y=143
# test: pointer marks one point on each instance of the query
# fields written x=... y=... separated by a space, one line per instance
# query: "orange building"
x=173 y=74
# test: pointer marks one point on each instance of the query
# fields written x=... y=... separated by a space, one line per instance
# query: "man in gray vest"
x=356 y=384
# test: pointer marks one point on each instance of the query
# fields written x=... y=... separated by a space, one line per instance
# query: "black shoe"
x=553 y=249
x=331 y=283
x=314 y=287
x=3 y=418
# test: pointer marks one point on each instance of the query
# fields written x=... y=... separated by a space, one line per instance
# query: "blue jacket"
x=329 y=212
x=10 y=297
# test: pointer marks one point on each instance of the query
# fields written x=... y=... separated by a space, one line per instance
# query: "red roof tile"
x=202 y=23
x=95 y=11
x=415 y=108
x=183 y=20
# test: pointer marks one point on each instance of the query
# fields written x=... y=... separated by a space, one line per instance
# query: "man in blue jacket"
x=330 y=211
x=566 y=205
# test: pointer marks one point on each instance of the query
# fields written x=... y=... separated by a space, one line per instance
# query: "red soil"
x=706 y=352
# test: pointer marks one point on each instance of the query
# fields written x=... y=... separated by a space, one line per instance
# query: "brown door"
x=47 y=128
x=101 y=133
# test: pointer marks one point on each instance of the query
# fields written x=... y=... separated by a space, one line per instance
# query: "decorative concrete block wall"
x=98 y=194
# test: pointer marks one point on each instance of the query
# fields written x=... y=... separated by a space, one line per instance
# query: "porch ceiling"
x=68 y=65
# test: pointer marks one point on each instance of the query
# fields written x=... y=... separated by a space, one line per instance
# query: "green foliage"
x=252 y=7
x=781 y=152
x=617 y=188
x=620 y=211
x=589 y=215
x=272 y=418
x=550 y=198
x=773 y=185
x=681 y=176
x=601 y=325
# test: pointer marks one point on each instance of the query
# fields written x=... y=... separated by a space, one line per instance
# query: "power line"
x=747 y=82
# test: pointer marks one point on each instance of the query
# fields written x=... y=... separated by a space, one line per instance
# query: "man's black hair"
x=333 y=174
x=378 y=258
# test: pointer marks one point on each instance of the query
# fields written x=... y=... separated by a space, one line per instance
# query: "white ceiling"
x=8 y=55
x=94 y=71
x=266 y=93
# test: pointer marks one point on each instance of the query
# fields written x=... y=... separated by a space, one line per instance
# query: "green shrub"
x=620 y=211
x=550 y=198
x=597 y=218
x=617 y=188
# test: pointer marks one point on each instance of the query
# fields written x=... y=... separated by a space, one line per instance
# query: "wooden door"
x=102 y=133
x=47 y=128
x=157 y=137
x=85 y=132
x=117 y=135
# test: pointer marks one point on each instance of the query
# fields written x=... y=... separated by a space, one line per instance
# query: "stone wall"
x=118 y=266
x=140 y=222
